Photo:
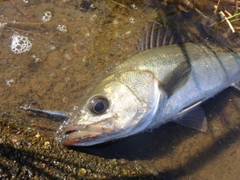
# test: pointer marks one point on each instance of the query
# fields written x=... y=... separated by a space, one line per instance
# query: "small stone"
x=113 y=162
x=46 y=144
x=67 y=57
x=37 y=135
x=82 y=172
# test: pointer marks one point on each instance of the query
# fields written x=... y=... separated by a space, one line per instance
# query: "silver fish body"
x=152 y=88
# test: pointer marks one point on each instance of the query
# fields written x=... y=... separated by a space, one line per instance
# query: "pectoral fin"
x=194 y=118
x=177 y=78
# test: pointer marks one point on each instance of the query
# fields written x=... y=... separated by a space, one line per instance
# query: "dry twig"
x=21 y=9
x=227 y=20
x=216 y=8
x=21 y=23
x=28 y=32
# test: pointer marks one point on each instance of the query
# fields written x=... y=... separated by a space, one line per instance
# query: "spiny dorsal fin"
x=155 y=35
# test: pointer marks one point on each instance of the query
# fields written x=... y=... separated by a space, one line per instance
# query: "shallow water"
x=62 y=66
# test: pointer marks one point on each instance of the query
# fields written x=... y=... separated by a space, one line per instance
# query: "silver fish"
x=152 y=88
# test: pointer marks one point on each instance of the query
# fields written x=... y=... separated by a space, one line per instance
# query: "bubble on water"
x=62 y=28
x=47 y=16
x=133 y=6
x=131 y=20
x=9 y=82
x=2 y=24
x=20 y=44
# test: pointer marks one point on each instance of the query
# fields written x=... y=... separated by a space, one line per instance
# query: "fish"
x=157 y=85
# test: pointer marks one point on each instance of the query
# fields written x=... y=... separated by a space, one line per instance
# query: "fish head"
x=111 y=111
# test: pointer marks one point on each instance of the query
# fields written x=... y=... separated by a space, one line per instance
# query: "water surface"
x=61 y=67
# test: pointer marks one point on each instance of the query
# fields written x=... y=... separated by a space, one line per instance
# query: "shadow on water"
x=204 y=157
x=142 y=146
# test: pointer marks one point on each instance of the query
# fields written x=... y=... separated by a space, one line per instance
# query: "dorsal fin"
x=155 y=35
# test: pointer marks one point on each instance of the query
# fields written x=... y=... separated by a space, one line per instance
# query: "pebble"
x=82 y=172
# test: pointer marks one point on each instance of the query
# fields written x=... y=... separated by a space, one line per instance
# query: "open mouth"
x=72 y=137
x=79 y=134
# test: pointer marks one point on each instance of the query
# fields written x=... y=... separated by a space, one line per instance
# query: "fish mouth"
x=85 y=134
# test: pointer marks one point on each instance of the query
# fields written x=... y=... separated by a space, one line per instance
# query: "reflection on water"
x=77 y=42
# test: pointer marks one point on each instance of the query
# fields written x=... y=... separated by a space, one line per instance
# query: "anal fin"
x=194 y=118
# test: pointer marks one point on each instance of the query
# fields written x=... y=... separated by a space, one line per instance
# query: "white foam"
x=20 y=44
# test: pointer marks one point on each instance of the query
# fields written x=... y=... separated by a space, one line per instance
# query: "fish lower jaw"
x=76 y=137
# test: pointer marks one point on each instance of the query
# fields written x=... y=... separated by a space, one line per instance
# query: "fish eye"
x=98 y=105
